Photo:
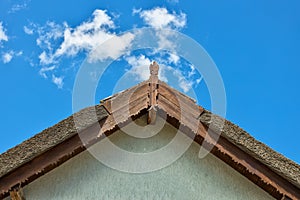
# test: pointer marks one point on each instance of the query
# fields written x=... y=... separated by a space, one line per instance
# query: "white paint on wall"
x=84 y=177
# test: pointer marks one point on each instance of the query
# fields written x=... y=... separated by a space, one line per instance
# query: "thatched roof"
x=236 y=147
x=47 y=139
x=276 y=161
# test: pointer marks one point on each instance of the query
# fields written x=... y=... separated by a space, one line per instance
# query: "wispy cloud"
x=140 y=67
x=173 y=58
x=8 y=56
x=183 y=83
x=198 y=80
x=192 y=71
x=88 y=36
x=62 y=41
x=43 y=71
x=59 y=41
x=28 y=31
x=3 y=36
x=136 y=11
x=58 y=81
x=47 y=39
x=19 y=6
x=183 y=76
x=163 y=20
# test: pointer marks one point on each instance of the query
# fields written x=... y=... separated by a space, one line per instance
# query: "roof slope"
x=62 y=131
x=268 y=169
x=276 y=161
x=45 y=140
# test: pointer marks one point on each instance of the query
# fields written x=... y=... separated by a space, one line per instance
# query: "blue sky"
x=255 y=45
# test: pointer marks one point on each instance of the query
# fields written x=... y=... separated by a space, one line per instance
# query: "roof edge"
x=277 y=162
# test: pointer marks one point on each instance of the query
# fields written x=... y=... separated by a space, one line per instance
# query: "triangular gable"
x=33 y=158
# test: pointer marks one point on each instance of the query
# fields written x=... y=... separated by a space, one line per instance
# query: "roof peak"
x=154 y=67
x=266 y=168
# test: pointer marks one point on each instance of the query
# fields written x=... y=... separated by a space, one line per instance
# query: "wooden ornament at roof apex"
x=153 y=92
x=154 y=69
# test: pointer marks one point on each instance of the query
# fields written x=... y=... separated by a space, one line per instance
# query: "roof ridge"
x=181 y=93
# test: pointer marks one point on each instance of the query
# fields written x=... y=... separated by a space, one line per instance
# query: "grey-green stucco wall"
x=84 y=177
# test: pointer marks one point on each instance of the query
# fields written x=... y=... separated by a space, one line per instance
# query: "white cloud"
x=140 y=68
x=8 y=56
x=183 y=83
x=161 y=18
x=173 y=58
x=28 y=31
x=58 y=81
x=136 y=11
x=165 y=22
x=19 y=53
x=199 y=80
x=17 y=7
x=60 y=41
x=44 y=70
x=91 y=35
x=86 y=37
x=45 y=59
x=3 y=36
x=112 y=49
x=192 y=72
x=48 y=35
x=183 y=79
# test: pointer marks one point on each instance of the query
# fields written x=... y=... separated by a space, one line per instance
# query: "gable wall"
x=84 y=177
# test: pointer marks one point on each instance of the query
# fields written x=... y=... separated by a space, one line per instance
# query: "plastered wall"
x=84 y=177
